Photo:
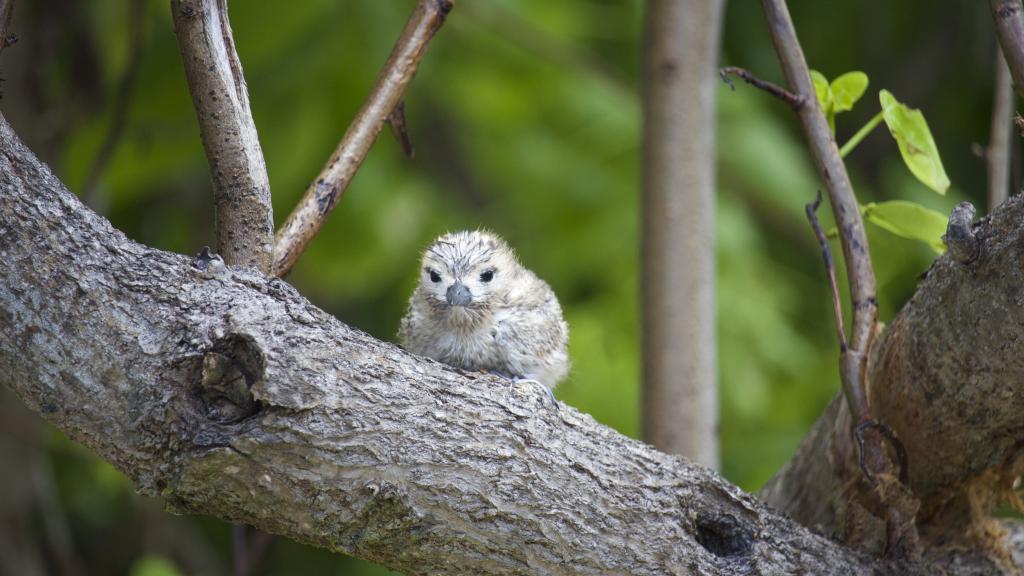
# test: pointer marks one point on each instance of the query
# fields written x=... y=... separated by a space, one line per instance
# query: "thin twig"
x=122 y=104
x=1009 y=23
x=400 y=128
x=826 y=253
x=322 y=195
x=245 y=220
x=795 y=101
x=997 y=155
x=854 y=240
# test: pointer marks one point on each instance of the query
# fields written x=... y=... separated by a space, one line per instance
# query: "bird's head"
x=467 y=273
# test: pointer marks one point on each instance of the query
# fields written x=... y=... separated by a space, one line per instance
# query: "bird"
x=477 y=308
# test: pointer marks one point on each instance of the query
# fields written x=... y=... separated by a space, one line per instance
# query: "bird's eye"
x=434 y=276
x=487 y=276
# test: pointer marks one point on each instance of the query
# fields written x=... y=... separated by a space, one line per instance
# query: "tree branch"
x=322 y=195
x=241 y=188
x=228 y=394
x=1009 y=23
x=945 y=377
x=830 y=167
x=879 y=490
x=997 y=154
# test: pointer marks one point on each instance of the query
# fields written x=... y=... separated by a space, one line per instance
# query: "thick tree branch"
x=1009 y=23
x=241 y=188
x=322 y=195
x=228 y=394
x=946 y=377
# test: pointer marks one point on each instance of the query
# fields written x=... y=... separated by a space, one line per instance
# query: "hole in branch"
x=723 y=535
x=230 y=369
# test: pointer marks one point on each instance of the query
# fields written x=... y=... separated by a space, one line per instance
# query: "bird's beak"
x=458 y=295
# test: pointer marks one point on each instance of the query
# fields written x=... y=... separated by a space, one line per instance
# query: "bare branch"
x=794 y=101
x=322 y=195
x=245 y=220
x=1009 y=23
x=997 y=155
x=811 y=210
x=889 y=499
x=830 y=167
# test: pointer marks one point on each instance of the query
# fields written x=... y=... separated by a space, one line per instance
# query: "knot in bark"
x=959 y=238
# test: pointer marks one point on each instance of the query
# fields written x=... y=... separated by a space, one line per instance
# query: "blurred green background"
x=526 y=120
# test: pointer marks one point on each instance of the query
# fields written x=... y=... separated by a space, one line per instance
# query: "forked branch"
x=322 y=195
x=830 y=167
x=889 y=499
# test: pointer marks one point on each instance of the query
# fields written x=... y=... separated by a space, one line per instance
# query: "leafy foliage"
x=917 y=148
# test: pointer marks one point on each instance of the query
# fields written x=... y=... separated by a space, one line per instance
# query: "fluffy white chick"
x=477 y=308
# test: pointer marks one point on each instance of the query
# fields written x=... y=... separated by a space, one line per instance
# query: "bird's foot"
x=516 y=381
x=547 y=391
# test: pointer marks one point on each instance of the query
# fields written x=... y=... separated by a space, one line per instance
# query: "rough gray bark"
x=226 y=393
x=946 y=376
x=241 y=187
x=680 y=390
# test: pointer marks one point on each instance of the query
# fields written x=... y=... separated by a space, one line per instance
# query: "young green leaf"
x=847 y=89
x=908 y=127
x=824 y=93
x=909 y=220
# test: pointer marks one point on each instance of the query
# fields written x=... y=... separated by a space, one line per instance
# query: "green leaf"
x=909 y=220
x=908 y=127
x=821 y=88
x=153 y=565
x=824 y=93
x=847 y=89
